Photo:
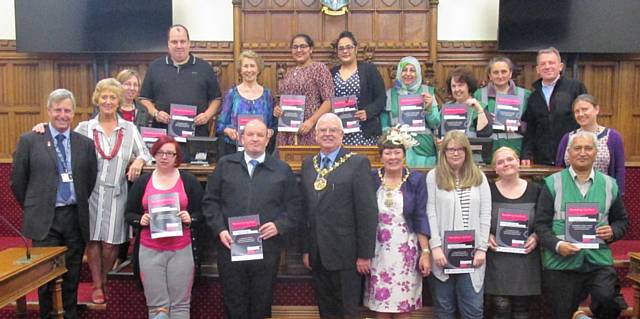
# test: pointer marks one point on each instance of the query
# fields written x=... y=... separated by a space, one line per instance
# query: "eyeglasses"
x=453 y=150
x=297 y=47
x=167 y=154
x=348 y=47
x=325 y=130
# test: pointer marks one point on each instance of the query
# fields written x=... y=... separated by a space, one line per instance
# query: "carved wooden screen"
x=382 y=23
x=387 y=30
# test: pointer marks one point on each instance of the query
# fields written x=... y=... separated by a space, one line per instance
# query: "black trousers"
x=65 y=231
x=510 y=307
x=566 y=289
x=248 y=285
x=338 y=292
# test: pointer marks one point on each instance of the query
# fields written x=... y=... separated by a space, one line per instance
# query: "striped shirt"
x=464 y=195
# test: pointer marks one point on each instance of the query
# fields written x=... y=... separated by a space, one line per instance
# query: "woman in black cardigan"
x=165 y=260
x=363 y=80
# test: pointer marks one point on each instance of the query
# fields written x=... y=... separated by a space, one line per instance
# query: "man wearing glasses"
x=342 y=217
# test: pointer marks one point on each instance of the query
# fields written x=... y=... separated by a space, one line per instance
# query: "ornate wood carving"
x=387 y=30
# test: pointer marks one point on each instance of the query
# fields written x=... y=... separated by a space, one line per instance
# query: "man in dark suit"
x=247 y=183
x=52 y=178
x=342 y=218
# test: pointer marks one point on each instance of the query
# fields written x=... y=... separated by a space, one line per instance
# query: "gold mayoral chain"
x=388 y=194
x=321 y=181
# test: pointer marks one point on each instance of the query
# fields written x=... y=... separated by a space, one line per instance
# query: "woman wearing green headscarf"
x=409 y=82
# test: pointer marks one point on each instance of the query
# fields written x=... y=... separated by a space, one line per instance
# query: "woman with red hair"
x=164 y=254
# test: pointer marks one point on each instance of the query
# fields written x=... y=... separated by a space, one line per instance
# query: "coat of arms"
x=335 y=7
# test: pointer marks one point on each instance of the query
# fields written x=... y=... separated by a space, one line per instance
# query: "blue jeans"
x=458 y=289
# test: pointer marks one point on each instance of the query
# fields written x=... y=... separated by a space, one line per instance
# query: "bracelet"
x=155 y=114
x=426 y=251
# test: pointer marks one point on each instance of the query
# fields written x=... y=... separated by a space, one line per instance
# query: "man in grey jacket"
x=52 y=177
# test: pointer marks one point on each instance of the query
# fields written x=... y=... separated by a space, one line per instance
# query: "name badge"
x=66 y=177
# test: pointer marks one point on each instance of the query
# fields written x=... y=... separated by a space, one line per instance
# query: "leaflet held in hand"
x=182 y=124
x=459 y=247
x=163 y=210
x=151 y=134
x=292 y=113
x=512 y=230
x=507 y=112
x=581 y=220
x=247 y=244
x=412 y=112
x=454 y=118
x=345 y=107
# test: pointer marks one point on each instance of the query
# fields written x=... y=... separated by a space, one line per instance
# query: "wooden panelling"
x=25 y=84
x=600 y=78
x=387 y=22
x=4 y=84
x=386 y=29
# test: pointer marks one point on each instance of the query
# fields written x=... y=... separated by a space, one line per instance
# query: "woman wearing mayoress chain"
x=402 y=256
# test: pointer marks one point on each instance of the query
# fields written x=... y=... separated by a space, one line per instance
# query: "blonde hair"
x=470 y=174
x=504 y=149
x=108 y=84
x=249 y=54
x=126 y=74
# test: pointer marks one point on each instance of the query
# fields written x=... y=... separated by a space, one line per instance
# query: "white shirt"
x=547 y=89
x=248 y=158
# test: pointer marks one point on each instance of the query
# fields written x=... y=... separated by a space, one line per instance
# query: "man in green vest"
x=571 y=272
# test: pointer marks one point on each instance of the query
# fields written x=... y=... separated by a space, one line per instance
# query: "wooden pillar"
x=433 y=31
x=237 y=38
x=430 y=65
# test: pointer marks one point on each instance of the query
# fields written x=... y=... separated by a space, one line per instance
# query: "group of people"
x=387 y=226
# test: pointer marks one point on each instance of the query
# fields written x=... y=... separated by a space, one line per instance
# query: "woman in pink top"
x=162 y=206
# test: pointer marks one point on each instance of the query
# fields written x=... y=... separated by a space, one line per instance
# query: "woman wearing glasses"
x=459 y=199
x=362 y=80
x=308 y=78
x=165 y=264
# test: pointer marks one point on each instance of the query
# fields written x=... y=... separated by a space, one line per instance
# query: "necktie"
x=65 y=188
x=326 y=162
x=253 y=163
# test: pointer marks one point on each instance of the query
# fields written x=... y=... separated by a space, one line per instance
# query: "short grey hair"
x=330 y=117
x=60 y=95
x=548 y=50
x=587 y=134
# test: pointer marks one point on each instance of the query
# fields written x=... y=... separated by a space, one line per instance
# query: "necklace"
x=321 y=182
x=388 y=194
x=116 y=148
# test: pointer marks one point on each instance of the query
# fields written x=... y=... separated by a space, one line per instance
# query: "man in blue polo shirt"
x=180 y=78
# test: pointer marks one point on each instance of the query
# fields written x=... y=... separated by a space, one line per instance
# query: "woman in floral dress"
x=308 y=78
x=394 y=288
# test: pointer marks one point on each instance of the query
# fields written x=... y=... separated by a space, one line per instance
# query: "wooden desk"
x=17 y=279
x=634 y=276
